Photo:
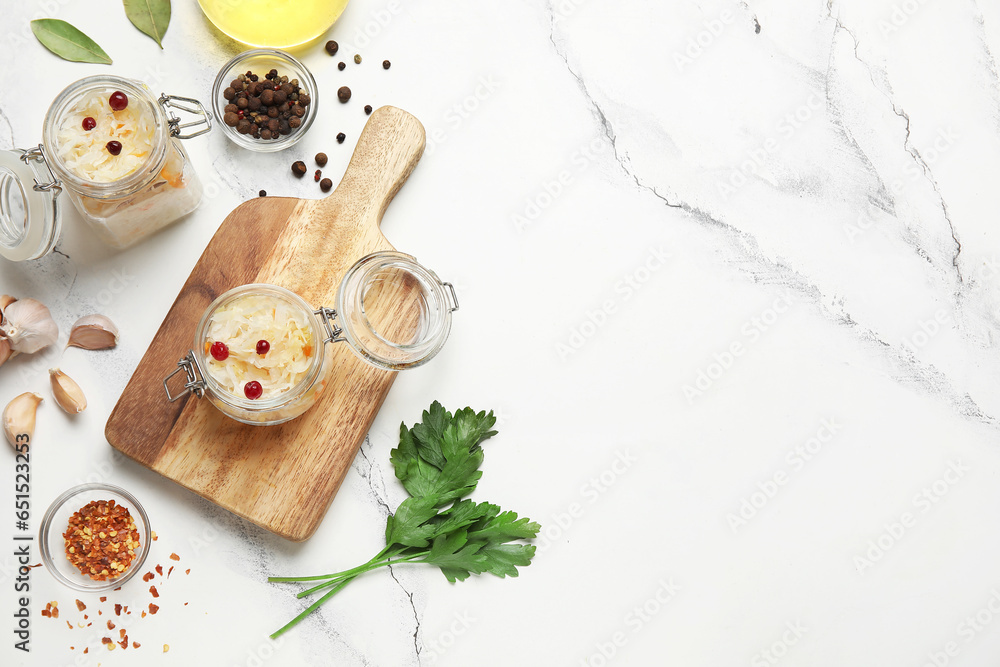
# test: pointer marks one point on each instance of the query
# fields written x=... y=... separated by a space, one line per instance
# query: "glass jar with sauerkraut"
x=114 y=148
x=260 y=351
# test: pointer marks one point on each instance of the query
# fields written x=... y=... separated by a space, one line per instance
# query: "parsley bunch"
x=438 y=462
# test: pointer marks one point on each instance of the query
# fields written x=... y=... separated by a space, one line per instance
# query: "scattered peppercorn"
x=332 y=47
x=299 y=168
x=340 y=137
x=341 y=65
x=321 y=159
x=318 y=175
x=386 y=64
x=262 y=193
x=325 y=185
x=344 y=94
x=357 y=58
x=368 y=109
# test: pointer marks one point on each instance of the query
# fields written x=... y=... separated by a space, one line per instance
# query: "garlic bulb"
x=67 y=392
x=5 y=351
x=19 y=417
x=93 y=332
x=28 y=326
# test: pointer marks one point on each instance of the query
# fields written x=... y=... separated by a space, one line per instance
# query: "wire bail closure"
x=191 y=106
x=333 y=332
x=37 y=154
x=195 y=383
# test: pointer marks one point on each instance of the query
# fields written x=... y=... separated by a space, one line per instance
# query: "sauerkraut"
x=250 y=318
x=85 y=153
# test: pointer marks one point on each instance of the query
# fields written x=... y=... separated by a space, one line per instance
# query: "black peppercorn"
x=344 y=94
x=340 y=137
x=341 y=65
x=299 y=168
x=325 y=185
x=332 y=47
x=386 y=64
x=321 y=159
x=368 y=109
x=262 y=193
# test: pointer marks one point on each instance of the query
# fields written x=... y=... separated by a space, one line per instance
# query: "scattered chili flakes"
x=166 y=647
x=118 y=610
x=80 y=606
x=100 y=612
x=105 y=640
x=143 y=614
x=174 y=557
x=101 y=539
x=85 y=616
x=153 y=591
x=124 y=643
x=111 y=646
x=169 y=571
x=148 y=576
x=136 y=644
x=153 y=608
x=159 y=570
x=111 y=625
x=51 y=610
x=154 y=536
x=69 y=625
x=188 y=571
x=104 y=598
x=86 y=649
x=121 y=633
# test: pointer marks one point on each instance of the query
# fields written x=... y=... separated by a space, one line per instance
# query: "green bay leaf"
x=150 y=16
x=67 y=42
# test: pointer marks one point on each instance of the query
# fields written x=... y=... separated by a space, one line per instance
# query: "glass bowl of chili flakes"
x=94 y=537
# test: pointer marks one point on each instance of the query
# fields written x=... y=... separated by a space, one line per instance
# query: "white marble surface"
x=729 y=273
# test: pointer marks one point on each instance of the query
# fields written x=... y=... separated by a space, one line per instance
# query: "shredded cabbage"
x=247 y=319
x=85 y=152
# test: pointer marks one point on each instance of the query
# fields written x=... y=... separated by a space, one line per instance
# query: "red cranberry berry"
x=262 y=347
x=253 y=390
x=89 y=123
x=118 y=100
x=219 y=351
x=114 y=147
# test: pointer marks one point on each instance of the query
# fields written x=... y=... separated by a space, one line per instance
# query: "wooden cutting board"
x=283 y=477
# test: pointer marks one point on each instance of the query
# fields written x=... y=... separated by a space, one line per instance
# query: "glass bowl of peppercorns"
x=265 y=98
x=94 y=537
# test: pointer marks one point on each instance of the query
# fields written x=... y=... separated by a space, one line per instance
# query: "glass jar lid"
x=393 y=312
x=30 y=219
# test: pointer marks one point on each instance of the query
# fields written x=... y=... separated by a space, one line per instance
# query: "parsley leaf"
x=438 y=462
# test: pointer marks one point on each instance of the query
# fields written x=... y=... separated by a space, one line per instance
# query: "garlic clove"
x=67 y=392
x=19 y=418
x=5 y=351
x=28 y=326
x=5 y=300
x=93 y=332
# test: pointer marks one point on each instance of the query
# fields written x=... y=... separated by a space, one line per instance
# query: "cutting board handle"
x=389 y=148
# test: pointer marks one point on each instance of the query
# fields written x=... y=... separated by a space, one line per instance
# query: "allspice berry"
x=341 y=65
x=325 y=185
x=386 y=64
x=332 y=47
x=231 y=119
x=321 y=159
x=299 y=168
x=344 y=94
x=340 y=137
x=368 y=109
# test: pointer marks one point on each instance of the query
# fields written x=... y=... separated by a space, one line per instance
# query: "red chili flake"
x=188 y=571
x=118 y=610
x=100 y=613
x=119 y=588
x=121 y=633
x=143 y=614
x=169 y=571
x=125 y=609
x=124 y=643
x=148 y=576
x=154 y=536
x=86 y=649
x=85 y=617
x=136 y=644
x=101 y=539
x=105 y=640
x=69 y=625
x=152 y=590
x=153 y=608
x=46 y=613
x=185 y=604
x=111 y=625
x=104 y=598
x=80 y=606
x=159 y=570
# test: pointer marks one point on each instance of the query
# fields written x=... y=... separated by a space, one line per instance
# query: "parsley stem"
x=310 y=609
x=335 y=575
x=350 y=574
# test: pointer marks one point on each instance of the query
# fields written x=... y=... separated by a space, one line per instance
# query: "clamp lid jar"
x=113 y=147
x=260 y=352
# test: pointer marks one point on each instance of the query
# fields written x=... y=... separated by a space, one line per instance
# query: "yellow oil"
x=277 y=24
